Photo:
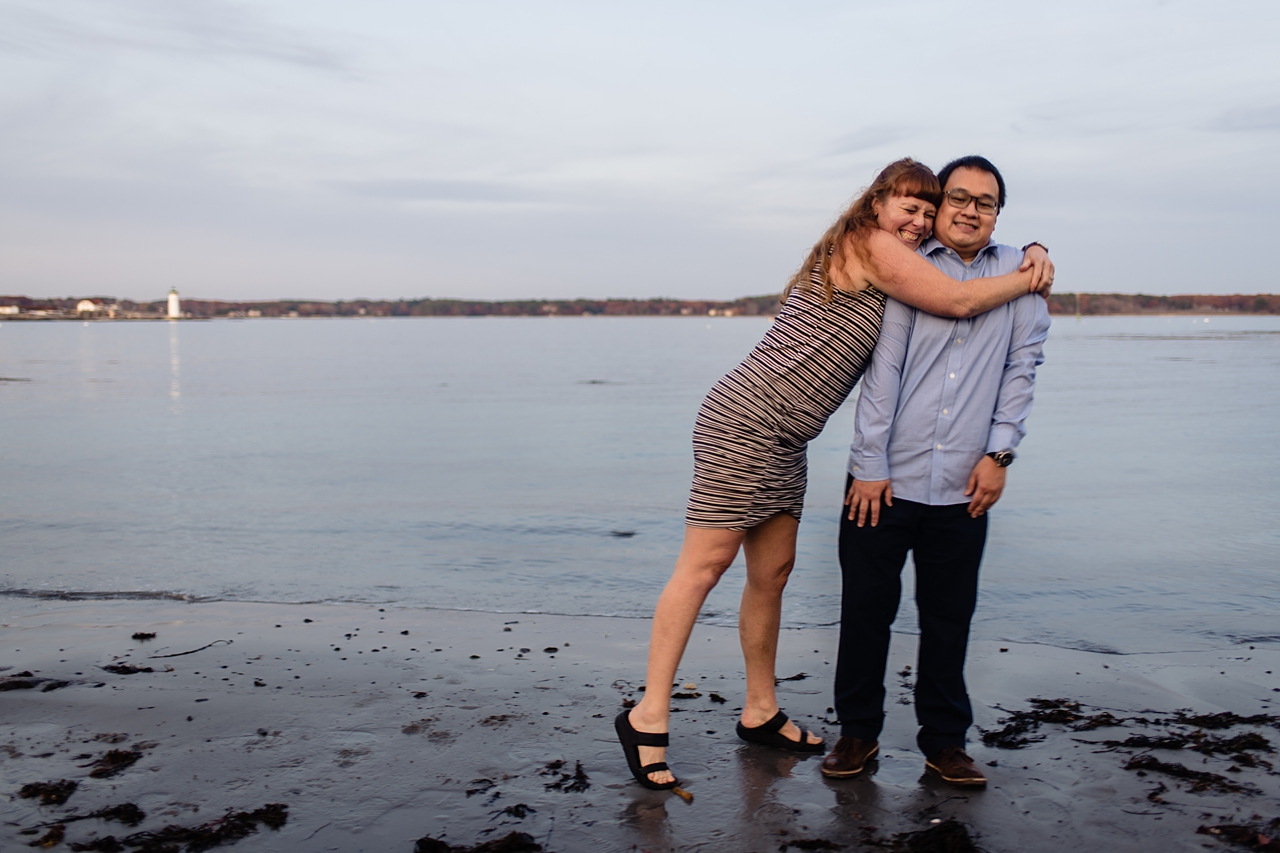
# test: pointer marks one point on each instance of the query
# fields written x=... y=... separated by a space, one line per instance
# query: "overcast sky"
x=325 y=149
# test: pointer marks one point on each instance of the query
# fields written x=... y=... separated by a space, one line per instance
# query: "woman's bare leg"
x=771 y=553
x=704 y=556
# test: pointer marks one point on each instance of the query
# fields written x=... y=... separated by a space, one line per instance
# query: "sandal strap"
x=640 y=738
x=776 y=722
x=654 y=767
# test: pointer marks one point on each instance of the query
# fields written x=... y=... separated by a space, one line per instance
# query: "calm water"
x=486 y=464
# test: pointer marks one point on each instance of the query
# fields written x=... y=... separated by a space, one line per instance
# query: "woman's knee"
x=704 y=571
x=772 y=578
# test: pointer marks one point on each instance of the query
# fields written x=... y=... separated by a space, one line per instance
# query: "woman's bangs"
x=921 y=184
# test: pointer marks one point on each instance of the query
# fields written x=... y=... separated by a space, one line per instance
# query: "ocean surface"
x=541 y=464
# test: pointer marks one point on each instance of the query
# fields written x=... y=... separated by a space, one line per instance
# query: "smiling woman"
x=909 y=218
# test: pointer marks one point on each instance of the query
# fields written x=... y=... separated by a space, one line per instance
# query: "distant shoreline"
x=22 y=308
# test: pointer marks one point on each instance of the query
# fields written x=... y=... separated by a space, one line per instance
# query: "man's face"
x=967 y=230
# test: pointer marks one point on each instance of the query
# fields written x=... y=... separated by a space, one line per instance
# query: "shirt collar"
x=933 y=244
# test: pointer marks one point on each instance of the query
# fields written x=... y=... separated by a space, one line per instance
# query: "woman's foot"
x=651 y=754
x=754 y=718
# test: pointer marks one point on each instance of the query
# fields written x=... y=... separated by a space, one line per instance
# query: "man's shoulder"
x=1005 y=258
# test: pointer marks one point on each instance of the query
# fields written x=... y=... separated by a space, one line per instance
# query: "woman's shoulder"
x=851 y=277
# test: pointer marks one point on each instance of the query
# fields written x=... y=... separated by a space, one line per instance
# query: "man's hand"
x=986 y=483
x=864 y=499
x=1036 y=259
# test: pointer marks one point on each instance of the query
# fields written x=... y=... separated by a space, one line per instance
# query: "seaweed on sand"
x=1262 y=837
x=1198 y=741
x=52 y=838
x=949 y=836
x=231 y=827
x=570 y=783
x=519 y=811
x=1200 y=780
x=1221 y=720
x=513 y=842
x=106 y=844
x=810 y=844
x=50 y=793
x=1020 y=726
x=126 y=813
x=114 y=761
x=27 y=681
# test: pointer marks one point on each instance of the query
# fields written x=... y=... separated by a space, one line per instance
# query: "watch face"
x=1003 y=458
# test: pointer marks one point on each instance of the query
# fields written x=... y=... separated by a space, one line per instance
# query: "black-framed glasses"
x=961 y=199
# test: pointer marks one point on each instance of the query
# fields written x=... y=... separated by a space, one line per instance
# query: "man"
x=941 y=413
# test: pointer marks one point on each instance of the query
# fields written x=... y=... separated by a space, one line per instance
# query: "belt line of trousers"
x=947 y=546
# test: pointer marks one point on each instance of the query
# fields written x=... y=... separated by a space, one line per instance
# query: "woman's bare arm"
x=909 y=278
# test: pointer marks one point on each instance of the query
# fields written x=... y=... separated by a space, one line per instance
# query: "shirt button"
x=959 y=340
x=953 y=376
x=939 y=446
x=946 y=411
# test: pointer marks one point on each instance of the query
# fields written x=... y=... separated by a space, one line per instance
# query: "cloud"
x=1248 y=118
x=866 y=139
x=209 y=28
x=413 y=189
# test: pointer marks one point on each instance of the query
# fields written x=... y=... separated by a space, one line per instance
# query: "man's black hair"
x=973 y=161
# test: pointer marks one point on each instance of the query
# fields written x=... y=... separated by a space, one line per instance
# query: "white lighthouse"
x=175 y=309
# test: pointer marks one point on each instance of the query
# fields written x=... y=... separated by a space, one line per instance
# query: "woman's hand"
x=864 y=499
x=1036 y=259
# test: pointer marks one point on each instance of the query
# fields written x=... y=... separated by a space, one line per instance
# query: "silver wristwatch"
x=1003 y=458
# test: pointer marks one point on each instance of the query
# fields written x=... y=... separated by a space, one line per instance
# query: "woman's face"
x=908 y=218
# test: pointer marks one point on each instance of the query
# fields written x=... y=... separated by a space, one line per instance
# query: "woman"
x=753 y=428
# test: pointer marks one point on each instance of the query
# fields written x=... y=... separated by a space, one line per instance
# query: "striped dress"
x=755 y=424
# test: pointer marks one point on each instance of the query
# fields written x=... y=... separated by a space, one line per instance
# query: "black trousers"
x=947 y=544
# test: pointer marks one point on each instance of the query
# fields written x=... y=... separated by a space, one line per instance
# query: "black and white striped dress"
x=754 y=426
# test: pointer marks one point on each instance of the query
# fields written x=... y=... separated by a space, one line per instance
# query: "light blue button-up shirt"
x=940 y=393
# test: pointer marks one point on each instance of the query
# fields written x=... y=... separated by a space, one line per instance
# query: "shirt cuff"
x=1002 y=437
x=869 y=467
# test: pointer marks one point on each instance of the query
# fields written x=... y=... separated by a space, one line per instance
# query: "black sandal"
x=769 y=735
x=631 y=741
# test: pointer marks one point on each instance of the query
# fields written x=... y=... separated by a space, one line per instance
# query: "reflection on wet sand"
x=647 y=816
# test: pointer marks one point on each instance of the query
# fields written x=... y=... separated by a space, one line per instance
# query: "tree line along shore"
x=78 y=308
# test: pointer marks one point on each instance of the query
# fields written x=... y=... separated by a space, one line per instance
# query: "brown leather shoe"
x=849 y=758
x=956 y=768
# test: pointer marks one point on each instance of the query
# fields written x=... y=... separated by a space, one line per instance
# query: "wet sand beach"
x=367 y=729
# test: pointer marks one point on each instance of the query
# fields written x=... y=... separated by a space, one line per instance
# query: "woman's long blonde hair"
x=904 y=177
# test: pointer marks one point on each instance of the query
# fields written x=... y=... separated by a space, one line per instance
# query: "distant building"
x=175 y=308
x=87 y=306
